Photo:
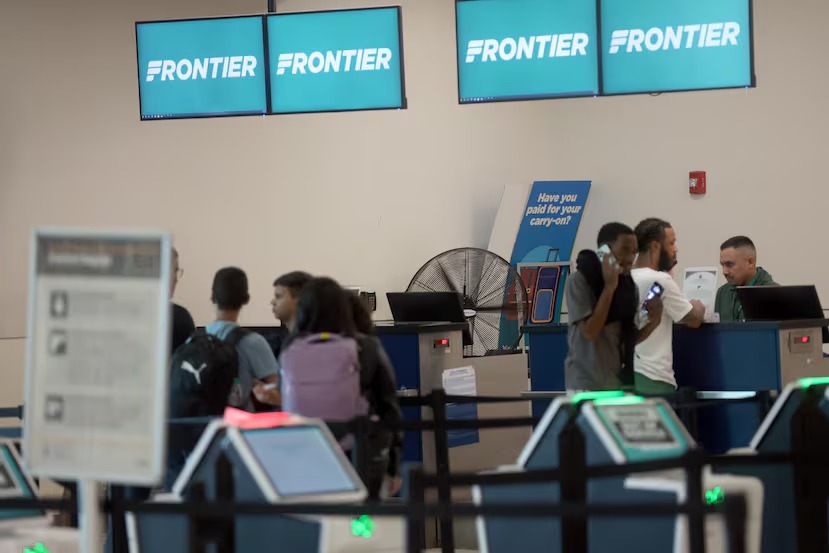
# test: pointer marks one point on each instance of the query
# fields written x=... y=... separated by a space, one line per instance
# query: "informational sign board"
x=461 y=382
x=97 y=360
x=700 y=283
x=641 y=429
x=639 y=426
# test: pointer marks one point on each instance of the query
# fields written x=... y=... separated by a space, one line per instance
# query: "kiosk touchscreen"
x=300 y=464
x=306 y=464
x=775 y=436
x=26 y=529
x=16 y=483
x=618 y=429
x=537 y=534
x=296 y=462
x=633 y=429
x=541 y=451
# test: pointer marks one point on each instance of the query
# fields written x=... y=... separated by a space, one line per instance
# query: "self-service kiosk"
x=615 y=429
x=298 y=461
x=783 y=487
x=27 y=530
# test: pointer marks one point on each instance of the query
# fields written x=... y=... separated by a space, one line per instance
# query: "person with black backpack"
x=217 y=367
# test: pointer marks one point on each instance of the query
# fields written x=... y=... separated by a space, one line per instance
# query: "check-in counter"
x=723 y=357
x=428 y=356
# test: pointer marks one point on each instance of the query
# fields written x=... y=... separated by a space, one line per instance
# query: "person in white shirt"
x=654 y=358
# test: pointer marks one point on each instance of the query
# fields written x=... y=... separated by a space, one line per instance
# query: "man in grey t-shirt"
x=603 y=307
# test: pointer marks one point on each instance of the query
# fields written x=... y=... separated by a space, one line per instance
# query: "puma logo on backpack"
x=186 y=366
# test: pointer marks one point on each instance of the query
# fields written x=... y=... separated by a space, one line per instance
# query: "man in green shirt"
x=738 y=258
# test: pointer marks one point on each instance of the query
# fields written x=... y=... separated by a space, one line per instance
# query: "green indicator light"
x=814 y=381
x=625 y=400
x=589 y=396
x=38 y=548
x=714 y=496
x=362 y=527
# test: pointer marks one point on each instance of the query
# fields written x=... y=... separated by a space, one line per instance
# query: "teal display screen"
x=671 y=45
x=201 y=67
x=526 y=49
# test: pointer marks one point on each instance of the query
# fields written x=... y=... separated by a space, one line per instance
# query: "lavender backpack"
x=321 y=379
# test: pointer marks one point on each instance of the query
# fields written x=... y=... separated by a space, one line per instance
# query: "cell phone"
x=605 y=251
x=655 y=291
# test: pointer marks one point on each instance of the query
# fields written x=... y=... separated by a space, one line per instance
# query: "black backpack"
x=202 y=375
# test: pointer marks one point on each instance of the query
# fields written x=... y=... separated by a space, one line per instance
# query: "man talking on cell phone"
x=654 y=362
x=603 y=313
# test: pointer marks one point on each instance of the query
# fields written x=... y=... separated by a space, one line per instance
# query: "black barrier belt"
x=225 y=509
x=504 y=478
x=11 y=412
x=427 y=401
x=680 y=403
x=425 y=425
x=230 y=509
x=536 y=476
x=23 y=504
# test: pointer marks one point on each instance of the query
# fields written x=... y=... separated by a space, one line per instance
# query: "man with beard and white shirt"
x=654 y=358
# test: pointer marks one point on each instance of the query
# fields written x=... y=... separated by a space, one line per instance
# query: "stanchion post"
x=764 y=403
x=90 y=516
x=573 y=485
x=416 y=521
x=810 y=445
x=361 y=454
x=442 y=469
x=735 y=512
x=117 y=523
x=693 y=498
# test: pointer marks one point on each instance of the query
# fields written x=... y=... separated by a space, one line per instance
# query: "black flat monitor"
x=781 y=303
x=428 y=307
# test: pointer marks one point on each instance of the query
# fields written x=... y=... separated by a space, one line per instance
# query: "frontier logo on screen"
x=229 y=67
x=706 y=35
x=334 y=61
x=509 y=49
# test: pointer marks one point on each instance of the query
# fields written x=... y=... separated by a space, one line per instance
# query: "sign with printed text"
x=336 y=60
x=200 y=68
x=665 y=45
x=642 y=430
x=524 y=49
x=97 y=360
x=550 y=221
x=461 y=382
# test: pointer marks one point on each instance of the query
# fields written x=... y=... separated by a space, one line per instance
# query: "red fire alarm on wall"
x=696 y=182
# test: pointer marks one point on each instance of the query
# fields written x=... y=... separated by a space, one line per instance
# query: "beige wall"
x=368 y=197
